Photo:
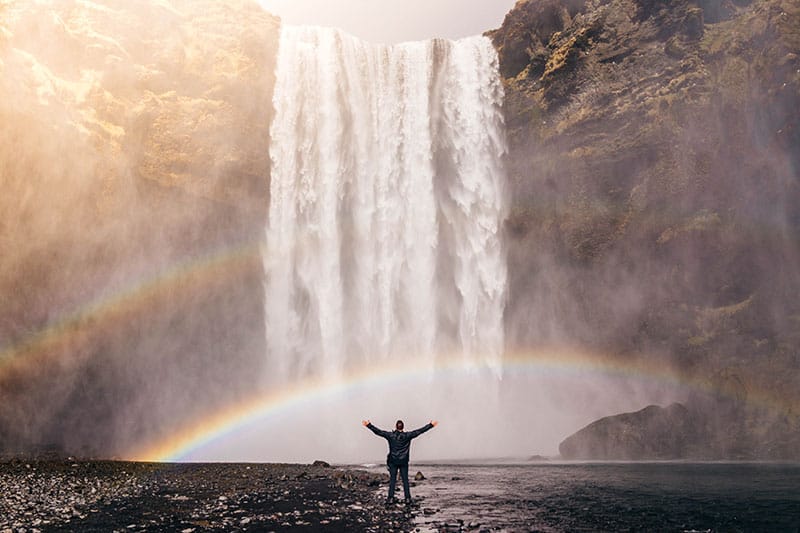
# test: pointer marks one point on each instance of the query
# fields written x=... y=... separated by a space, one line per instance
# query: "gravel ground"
x=121 y=496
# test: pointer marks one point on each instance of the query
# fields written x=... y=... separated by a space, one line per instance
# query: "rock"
x=652 y=433
x=642 y=144
x=419 y=476
x=323 y=464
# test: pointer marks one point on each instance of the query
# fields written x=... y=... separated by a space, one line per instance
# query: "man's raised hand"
x=434 y=423
x=365 y=422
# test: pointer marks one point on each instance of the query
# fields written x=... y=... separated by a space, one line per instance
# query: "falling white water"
x=386 y=204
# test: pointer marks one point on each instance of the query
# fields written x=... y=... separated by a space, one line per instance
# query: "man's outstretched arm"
x=379 y=432
x=423 y=429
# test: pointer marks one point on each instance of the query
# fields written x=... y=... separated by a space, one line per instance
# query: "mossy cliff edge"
x=654 y=163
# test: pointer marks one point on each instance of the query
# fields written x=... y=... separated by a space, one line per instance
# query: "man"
x=399 y=448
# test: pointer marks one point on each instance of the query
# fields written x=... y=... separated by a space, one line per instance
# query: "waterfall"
x=386 y=204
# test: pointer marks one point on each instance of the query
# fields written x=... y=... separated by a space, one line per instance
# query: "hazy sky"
x=392 y=21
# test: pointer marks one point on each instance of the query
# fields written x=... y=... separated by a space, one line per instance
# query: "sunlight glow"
x=392 y=21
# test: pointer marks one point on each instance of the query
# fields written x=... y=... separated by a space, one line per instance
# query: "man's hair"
x=399 y=425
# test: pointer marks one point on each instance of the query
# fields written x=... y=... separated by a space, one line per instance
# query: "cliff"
x=654 y=156
x=655 y=151
x=135 y=169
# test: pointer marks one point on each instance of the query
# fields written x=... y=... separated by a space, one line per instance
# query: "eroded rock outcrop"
x=652 y=433
x=680 y=432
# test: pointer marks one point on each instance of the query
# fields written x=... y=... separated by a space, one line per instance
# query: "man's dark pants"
x=393 y=468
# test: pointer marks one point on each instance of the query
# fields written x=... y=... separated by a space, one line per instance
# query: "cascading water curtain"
x=386 y=207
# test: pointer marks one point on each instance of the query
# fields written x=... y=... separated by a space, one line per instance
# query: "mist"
x=127 y=184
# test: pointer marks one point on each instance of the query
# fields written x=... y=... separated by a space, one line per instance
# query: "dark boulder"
x=652 y=433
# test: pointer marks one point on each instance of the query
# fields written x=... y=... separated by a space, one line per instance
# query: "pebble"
x=108 y=496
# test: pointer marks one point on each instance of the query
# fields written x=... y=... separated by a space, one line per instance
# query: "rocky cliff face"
x=134 y=166
x=655 y=148
x=655 y=152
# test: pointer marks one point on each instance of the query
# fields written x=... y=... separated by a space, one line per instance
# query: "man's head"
x=399 y=425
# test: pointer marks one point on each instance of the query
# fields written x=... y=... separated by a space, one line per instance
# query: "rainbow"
x=61 y=338
x=228 y=421
x=75 y=328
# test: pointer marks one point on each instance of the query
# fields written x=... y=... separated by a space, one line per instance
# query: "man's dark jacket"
x=399 y=442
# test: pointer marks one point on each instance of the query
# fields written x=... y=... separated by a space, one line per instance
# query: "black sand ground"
x=121 y=496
